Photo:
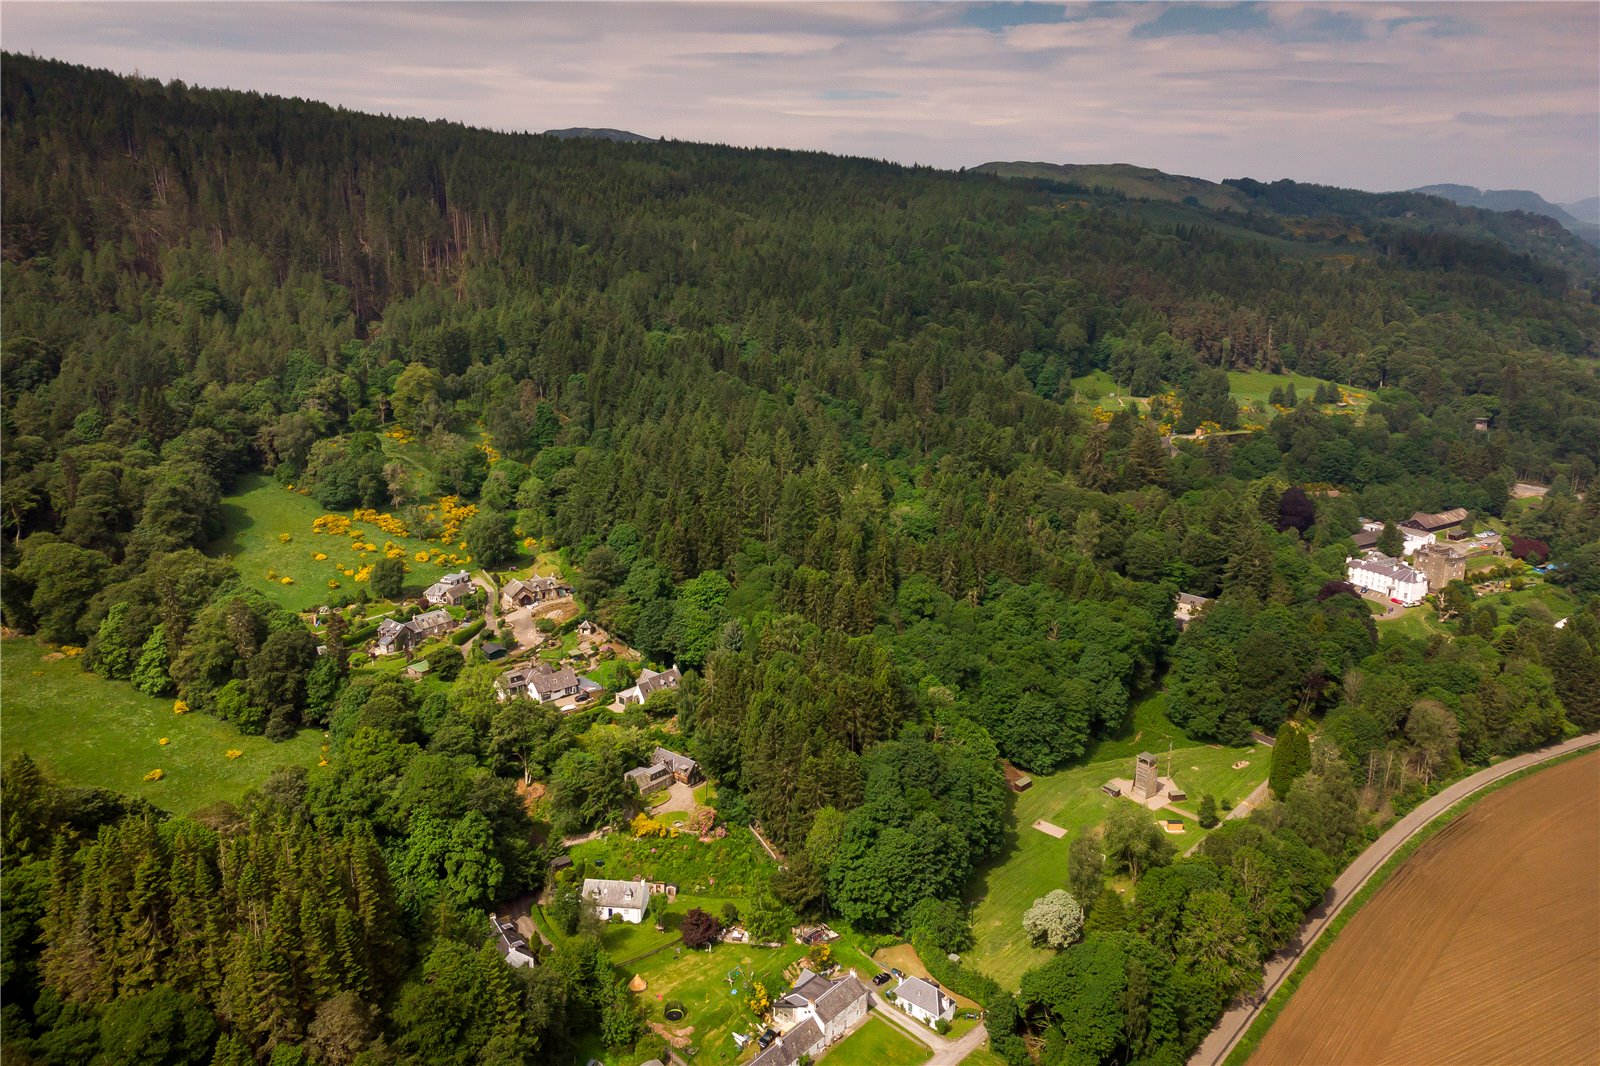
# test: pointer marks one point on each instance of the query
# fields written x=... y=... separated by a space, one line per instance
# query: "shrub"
x=466 y=633
x=699 y=928
x=941 y=1026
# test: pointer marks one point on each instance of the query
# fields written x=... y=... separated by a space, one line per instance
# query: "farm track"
x=1484 y=947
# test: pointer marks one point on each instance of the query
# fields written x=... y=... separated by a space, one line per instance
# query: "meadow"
x=1032 y=863
x=261 y=511
x=1246 y=386
x=93 y=732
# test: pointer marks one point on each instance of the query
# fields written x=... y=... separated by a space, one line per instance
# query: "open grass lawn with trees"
x=1033 y=863
x=96 y=733
x=258 y=514
x=881 y=1043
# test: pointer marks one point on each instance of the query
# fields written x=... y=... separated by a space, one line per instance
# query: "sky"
x=1370 y=95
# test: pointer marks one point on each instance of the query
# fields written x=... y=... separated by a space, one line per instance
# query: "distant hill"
x=1136 y=183
x=1326 y=220
x=1585 y=210
x=1499 y=200
x=600 y=133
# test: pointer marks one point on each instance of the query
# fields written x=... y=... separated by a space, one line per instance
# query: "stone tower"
x=1146 y=782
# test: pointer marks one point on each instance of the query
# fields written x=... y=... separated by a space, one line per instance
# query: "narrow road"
x=1228 y=1032
x=490 y=602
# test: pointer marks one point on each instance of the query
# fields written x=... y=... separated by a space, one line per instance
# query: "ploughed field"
x=1484 y=947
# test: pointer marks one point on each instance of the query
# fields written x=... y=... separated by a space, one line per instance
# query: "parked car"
x=896 y=971
x=767 y=1037
x=882 y=978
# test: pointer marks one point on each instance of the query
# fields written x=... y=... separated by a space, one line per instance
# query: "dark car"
x=767 y=1037
x=896 y=971
x=882 y=978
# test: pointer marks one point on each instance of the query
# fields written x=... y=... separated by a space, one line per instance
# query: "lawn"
x=90 y=731
x=1557 y=599
x=1255 y=386
x=1032 y=863
x=1096 y=388
x=719 y=869
x=261 y=511
x=878 y=1042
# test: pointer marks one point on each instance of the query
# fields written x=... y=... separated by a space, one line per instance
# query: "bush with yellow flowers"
x=154 y=775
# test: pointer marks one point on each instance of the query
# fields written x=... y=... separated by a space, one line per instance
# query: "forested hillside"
x=807 y=427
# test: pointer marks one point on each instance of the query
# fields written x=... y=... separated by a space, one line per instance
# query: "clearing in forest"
x=1484 y=947
x=1032 y=863
x=92 y=732
x=261 y=511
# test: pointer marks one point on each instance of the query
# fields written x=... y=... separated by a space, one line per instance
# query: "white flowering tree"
x=1055 y=919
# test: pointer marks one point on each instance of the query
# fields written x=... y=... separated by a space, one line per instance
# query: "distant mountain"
x=1136 y=183
x=599 y=134
x=1587 y=211
x=1301 y=218
x=1499 y=200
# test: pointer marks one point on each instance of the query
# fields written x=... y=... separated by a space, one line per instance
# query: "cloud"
x=1375 y=95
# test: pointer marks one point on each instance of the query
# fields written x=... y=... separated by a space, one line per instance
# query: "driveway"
x=523 y=627
x=945 y=1052
x=1236 y=1022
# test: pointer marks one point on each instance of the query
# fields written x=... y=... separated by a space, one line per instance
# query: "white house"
x=450 y=589
x=924 y=1001
x=510 y=944
x=650 y=682
x=1388 y=577
x=1416 y=540
x=623 y=899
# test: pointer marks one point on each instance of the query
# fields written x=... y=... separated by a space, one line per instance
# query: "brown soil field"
x=1483 y=947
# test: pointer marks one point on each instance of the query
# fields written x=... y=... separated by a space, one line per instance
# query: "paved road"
x=1234 y=1024
x=945 y=1052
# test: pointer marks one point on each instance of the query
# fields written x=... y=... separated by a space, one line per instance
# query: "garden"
x=94 y=732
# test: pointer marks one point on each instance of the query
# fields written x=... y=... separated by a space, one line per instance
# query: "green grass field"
x=1032 y=862
x=1255 y=386
x=90 y=731
x=878 y=1042
x=261 y=510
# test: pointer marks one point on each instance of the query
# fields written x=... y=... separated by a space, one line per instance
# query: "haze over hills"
x=1585 y=210
x=599 y=133
x=1498 y=200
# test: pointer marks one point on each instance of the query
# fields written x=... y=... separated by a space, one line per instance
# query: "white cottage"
x=924 y=1001
x=627 y=900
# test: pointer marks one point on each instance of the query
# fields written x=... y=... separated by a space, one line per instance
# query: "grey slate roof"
x=430 y=619
x=920 y=993
x=1387 y=567
x=550 y=684
x=615 y=894
x=786 y=1051
x=839 y=997
x=651 y=682
x=678 y=764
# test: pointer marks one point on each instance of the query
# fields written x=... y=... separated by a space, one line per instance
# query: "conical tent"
x=637 y=984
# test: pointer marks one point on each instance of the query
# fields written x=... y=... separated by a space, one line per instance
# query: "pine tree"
x=151 y=675
x=1291 y=757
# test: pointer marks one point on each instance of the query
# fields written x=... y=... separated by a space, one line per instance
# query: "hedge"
x=460 y=638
